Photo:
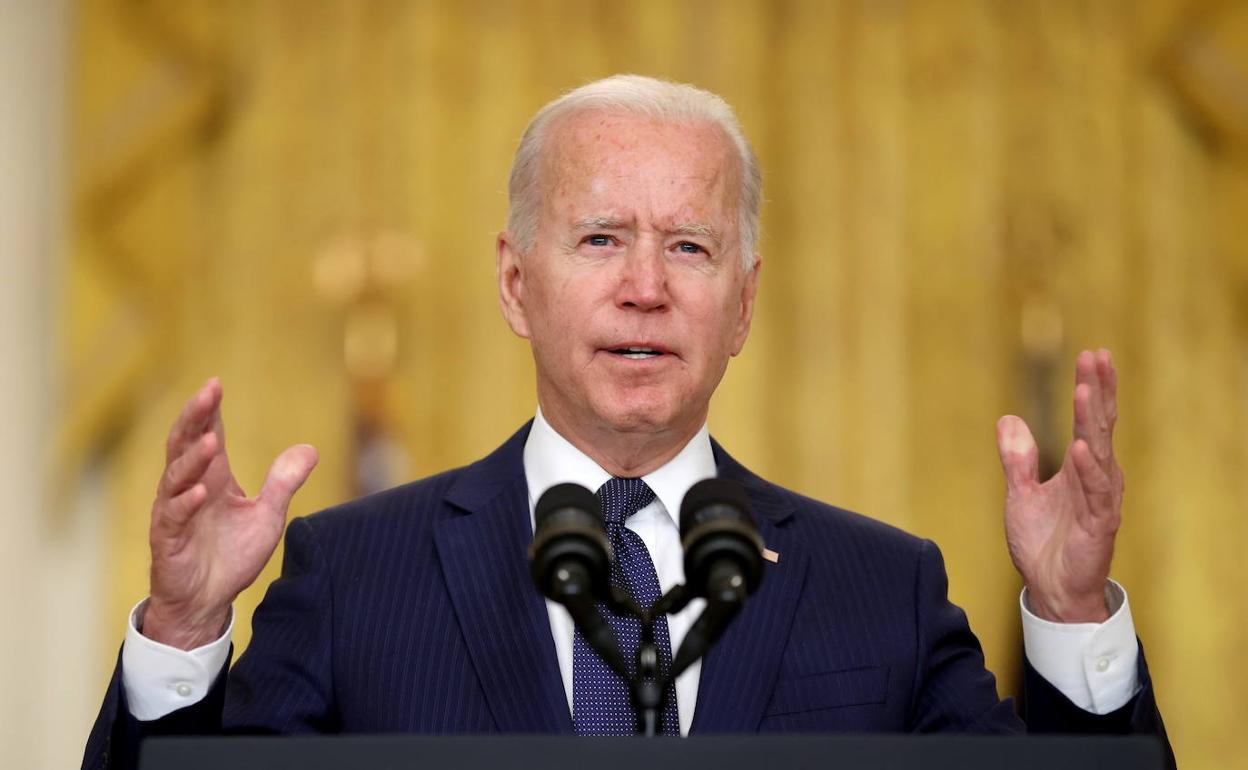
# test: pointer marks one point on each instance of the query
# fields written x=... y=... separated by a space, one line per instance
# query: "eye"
x=686 y=247
x=598 y=240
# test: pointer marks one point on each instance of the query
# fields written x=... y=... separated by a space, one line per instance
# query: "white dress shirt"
x=549 y=459
x=1092 y=664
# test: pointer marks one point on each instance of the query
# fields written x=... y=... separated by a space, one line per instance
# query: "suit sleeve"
x=1047 y=710
x=281 y=684
x=116 y=737
x=953 y=690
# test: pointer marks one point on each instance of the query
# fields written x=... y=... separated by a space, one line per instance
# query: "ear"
x=749 y=290
x=511 y=284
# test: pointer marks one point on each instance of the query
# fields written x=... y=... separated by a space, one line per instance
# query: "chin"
x=640 y=413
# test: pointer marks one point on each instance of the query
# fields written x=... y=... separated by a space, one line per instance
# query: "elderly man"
x=629 y=264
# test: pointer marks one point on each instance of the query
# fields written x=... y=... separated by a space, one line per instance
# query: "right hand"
x=209 y=540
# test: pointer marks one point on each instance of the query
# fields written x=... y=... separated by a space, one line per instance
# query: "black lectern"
x=735 y=752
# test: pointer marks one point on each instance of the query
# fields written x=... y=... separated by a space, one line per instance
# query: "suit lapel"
x=482 y=549
x=739 y=673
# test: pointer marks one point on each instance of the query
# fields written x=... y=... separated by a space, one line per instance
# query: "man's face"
x=633 y=294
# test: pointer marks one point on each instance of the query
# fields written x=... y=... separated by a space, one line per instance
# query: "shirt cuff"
x=1092 y=664
x=160 y=679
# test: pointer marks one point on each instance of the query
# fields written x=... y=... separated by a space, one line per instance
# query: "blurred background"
x=301 y=197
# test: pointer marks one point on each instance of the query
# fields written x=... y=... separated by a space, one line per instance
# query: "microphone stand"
x=648 y=686
x=647 y=681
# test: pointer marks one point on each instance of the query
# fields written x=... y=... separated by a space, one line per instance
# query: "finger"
x=1020 y=458
x=196 y=417
x=289 y=471
x=172 y=515
x=1085 y=376
x=1098 y=488
x=1091 y=424
x=189 y=467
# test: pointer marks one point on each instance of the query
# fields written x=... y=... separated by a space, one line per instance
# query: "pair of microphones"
x=570 y=561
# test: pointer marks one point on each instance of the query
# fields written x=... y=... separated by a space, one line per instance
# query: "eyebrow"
x=697 y=228
x=687 y=228
x=599 y=223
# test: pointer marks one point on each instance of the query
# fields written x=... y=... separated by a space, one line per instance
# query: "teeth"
x=636 y=353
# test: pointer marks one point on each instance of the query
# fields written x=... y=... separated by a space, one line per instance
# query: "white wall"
x=50 y=561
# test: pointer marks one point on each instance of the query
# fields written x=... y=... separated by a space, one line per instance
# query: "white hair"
x=632 y=95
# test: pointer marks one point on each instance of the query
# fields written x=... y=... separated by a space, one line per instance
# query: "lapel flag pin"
x=771 y=556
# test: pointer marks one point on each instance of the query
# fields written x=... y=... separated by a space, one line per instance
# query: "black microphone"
x=723 y=561
x=570 y=561
x=570 y=554
x=723 y=550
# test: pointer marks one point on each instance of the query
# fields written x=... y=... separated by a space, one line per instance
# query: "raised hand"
x=1061 y=532
x=209 y=540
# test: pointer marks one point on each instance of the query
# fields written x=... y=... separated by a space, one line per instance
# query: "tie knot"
x=622 y=498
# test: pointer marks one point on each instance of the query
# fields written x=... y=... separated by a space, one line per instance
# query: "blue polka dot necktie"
x=600 y=697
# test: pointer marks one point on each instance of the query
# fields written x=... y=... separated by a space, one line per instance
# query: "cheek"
x=727 y=319
x=711 y=341
x=559 y=314
x=544 y=306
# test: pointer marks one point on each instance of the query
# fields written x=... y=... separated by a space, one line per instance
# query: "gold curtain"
x=301 y=197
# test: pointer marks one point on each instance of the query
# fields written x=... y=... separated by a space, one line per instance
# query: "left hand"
x=1061 y=532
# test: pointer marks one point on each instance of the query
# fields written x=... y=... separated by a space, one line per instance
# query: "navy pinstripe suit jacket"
x=413 y=611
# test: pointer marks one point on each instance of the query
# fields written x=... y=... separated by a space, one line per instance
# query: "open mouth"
x=636 y=353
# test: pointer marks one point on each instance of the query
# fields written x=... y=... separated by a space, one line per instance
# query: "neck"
x=625 y=453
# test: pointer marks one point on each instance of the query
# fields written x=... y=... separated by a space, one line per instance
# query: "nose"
x=643 y=278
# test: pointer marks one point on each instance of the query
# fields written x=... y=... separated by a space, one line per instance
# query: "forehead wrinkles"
x=589 y=155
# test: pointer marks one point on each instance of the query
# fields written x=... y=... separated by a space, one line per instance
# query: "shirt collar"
x=550 y=459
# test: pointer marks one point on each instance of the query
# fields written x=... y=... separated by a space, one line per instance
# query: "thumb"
x=287 y=474
x=1020 y=458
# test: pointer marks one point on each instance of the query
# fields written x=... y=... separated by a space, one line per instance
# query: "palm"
x=226 y=544
x=1061 y=532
